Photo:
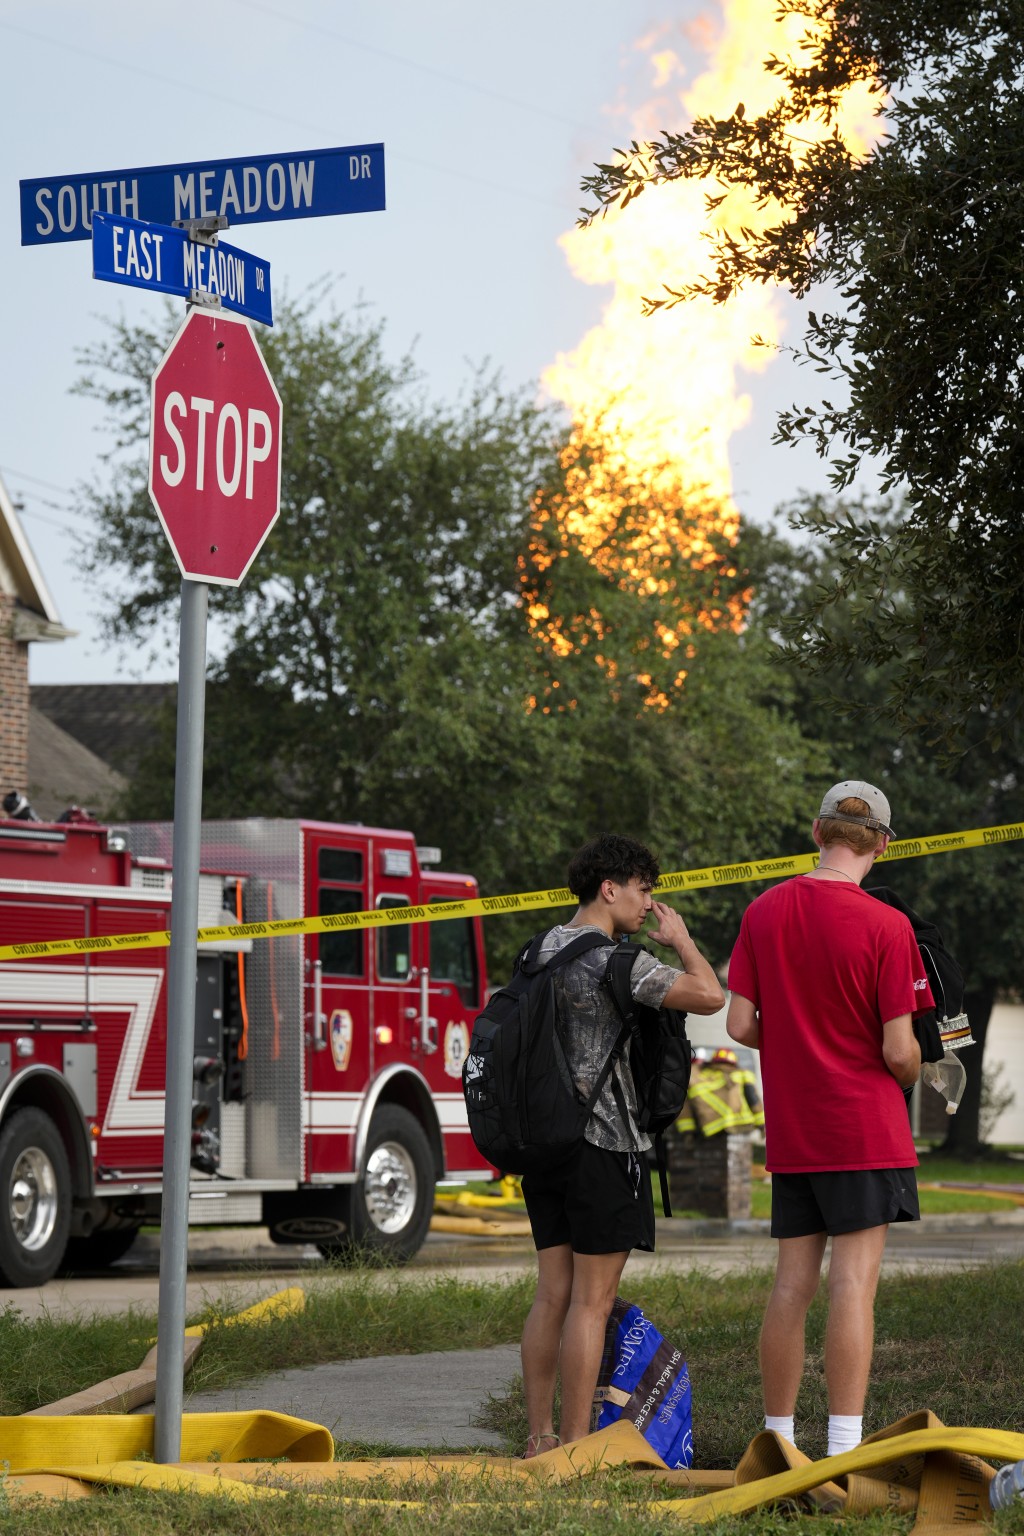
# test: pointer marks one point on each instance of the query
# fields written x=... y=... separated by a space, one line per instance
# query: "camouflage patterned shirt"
x=590 y=1025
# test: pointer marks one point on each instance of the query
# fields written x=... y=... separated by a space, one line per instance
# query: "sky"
x=489 y=114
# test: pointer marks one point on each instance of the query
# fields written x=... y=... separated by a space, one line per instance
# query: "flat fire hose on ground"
x=64 y=1450
x=471 y=1215
x=916 y=1465
x=480 y=1226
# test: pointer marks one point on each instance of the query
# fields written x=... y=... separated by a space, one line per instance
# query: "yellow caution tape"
x=495 y=906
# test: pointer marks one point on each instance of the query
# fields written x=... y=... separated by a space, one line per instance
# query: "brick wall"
x=710 y=1174
x=13 y=702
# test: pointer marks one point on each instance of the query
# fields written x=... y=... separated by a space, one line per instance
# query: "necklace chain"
x=837 y=871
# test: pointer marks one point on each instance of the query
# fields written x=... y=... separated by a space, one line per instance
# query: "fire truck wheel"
x=35 y=1198
x=393 y=1202
x=96 y=1252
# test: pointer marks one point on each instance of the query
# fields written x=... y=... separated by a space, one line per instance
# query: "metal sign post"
x=217 y=492
x=181 y=1010
x=218 y=495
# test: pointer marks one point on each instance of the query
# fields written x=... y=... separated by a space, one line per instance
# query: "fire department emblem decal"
x=456 y=1047
x=341 y=1037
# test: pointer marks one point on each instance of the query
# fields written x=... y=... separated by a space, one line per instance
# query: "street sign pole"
x=181 y=992
x=181 y=1003
x=150 y=224
x=212 y=367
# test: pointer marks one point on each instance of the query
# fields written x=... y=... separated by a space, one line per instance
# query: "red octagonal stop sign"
x=215 y=447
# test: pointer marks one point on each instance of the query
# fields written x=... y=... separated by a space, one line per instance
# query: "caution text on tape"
x=493 y=906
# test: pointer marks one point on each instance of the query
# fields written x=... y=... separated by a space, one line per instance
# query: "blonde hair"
x=833 y=832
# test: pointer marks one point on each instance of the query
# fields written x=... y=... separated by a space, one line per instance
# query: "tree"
x=975 y=896
x=624 y=572
x=922 y=241
x=373 y=666
x=377 y=663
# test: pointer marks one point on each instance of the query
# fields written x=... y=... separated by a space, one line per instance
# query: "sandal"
x=533 y=1444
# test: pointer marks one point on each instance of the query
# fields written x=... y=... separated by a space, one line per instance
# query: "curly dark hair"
x=609 y=857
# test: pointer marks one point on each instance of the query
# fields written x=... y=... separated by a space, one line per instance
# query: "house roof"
x=36 y=616
x=114 y=721
x=62 y=772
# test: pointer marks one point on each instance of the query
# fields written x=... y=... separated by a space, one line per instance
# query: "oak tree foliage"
x=976 y=895
x=918 y=248
x=376 y=664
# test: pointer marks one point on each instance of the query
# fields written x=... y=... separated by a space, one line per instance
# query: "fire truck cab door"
x=339 y=1048
x=449 y=954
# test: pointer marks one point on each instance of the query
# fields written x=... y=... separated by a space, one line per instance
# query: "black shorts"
x=599 y=1202
x=848 y=1201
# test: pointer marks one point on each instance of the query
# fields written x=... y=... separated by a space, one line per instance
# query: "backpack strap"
x=532 y=964
x=617 y=978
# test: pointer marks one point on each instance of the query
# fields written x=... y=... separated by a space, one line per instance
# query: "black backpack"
x=659 y=1058
x=944 y=977
x=525 y=1114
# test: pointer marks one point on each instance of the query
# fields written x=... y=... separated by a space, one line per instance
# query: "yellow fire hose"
x=452 y=1213
x=916 y=1465
x=935 y=1471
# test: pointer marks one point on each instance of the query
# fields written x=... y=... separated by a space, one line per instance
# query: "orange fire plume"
x=661 y=394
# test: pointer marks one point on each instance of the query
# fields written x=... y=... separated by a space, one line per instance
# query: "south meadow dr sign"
x=306 y=184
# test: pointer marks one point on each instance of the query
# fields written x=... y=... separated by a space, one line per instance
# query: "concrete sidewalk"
x=435 y=1399
x=410 y=1401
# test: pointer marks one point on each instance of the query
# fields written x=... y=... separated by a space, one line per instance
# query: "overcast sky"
x=489 y=114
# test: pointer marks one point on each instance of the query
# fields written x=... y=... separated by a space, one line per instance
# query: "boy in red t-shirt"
x=825 y=982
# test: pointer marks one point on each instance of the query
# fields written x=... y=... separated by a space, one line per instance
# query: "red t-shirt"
x=827 y=965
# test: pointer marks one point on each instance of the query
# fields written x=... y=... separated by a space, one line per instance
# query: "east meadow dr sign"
x=307 y=184
x=166 y=260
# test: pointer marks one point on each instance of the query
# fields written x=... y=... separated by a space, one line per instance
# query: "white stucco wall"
x=1004 y=1049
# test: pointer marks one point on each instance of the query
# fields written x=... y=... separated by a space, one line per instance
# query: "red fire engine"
x=327 y=1097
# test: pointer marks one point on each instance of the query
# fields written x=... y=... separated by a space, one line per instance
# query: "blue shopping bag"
x=644 y=1379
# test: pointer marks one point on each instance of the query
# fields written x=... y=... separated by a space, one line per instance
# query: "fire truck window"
x=394 y=945
x=341 y=954
x=453 y=954
x=342 y=864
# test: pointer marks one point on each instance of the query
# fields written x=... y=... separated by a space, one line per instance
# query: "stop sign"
x=215 y=447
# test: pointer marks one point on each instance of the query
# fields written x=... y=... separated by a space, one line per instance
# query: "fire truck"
x=327 y=1098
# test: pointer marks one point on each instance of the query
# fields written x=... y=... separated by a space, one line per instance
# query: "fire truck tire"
x=35 y=1198
x=393 y=1201
x=98 y=1251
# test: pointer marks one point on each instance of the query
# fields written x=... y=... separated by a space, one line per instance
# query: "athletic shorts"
x=598 y=1201
x=848 y=1201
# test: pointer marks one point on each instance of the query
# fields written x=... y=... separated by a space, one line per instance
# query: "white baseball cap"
x=857 y=789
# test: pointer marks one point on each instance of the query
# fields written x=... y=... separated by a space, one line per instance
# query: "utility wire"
x=504 y=191
x=294 y=20
x=20 y=474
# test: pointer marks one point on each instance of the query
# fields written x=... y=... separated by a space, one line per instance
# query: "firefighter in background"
x=722 y=1096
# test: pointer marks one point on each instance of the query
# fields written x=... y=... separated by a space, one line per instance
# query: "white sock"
x=782 y=1425
x=845 y=1431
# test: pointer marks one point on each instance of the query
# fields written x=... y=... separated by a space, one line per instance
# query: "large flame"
x=662 y=393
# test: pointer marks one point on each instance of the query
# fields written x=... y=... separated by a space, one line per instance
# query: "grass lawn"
x=950 y=1343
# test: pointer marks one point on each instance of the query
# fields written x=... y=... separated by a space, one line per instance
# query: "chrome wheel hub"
x=33 y=1199
x=390 y=1187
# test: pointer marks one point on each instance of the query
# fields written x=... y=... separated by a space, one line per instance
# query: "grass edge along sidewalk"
x=950 y=1343
x=483 y=906
x=934 y=1332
